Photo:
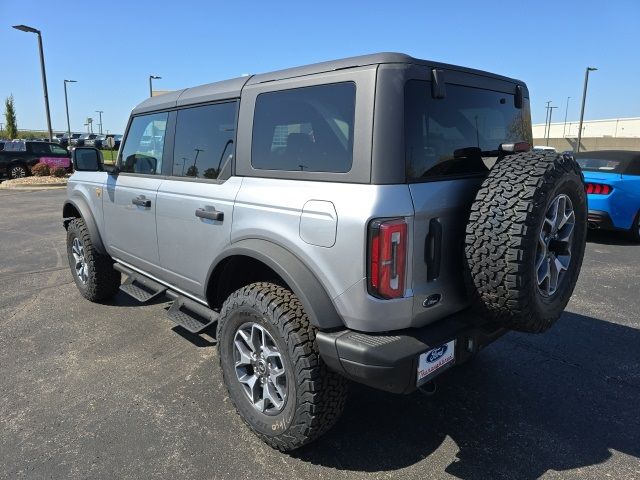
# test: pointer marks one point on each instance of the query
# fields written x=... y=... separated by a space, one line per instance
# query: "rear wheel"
x=272 y=369
x=525 y=240
x=634 y=233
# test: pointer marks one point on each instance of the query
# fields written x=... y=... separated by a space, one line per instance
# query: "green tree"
x=10 y=118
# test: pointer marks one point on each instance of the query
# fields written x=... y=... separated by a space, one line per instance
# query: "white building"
x=613 y=128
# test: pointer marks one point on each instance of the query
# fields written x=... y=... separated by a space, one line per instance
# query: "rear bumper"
x=599 y=219
x=390 y=361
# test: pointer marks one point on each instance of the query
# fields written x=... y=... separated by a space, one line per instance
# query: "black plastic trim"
x=433 y=249
x=389 y=361
x=81 y=206
x=316 y=302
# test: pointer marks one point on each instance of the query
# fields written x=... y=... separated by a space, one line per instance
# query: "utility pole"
x=100 y=112
x=549 y=131
x=546 y=119
x=66 y=104
x=25 y=28
x=584 y=99
x=566 y=110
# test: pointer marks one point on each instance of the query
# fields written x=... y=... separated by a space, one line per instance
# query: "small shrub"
x=40 y=170
x=58 y=172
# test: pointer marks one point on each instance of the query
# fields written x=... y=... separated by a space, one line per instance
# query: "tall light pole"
x=584 y=99
x=100 y=112
x=25 y=28
x=66 y=104
x=151 y=78
x=566 y=110
x=546 y=119
x=549 y=131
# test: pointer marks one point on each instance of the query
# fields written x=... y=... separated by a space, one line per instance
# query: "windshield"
x=460 y=134
x=601 y=165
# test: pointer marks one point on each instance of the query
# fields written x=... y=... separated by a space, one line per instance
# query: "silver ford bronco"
x=377 y=219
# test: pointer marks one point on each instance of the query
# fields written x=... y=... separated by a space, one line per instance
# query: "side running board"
x=138 y=286
x=190 y=315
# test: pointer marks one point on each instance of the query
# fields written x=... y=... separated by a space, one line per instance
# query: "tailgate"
x=441 y=212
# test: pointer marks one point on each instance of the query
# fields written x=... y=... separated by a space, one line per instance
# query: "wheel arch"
x=252 y=260
x=77 y=207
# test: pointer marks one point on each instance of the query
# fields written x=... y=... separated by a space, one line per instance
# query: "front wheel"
x=272 y=369
x=93 y=272
x=17 y=171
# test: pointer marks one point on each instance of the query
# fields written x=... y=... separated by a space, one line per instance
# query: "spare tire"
x=525 y=240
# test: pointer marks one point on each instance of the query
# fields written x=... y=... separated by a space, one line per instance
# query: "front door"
x=195 y=202
x=130 y=196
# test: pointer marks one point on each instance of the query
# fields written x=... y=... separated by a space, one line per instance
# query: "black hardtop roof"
x=232 y=88
x=621 y=155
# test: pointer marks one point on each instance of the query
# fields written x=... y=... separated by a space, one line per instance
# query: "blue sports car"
x=612 y=180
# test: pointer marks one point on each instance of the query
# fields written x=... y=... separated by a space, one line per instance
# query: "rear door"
x=195 y=201
x=130 y=198
x=450 y=145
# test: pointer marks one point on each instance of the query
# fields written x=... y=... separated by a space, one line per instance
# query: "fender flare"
x=80 y=204
x=305 y=285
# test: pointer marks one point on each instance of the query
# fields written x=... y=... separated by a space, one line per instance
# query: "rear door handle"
x=211 y=214
x=141 y=201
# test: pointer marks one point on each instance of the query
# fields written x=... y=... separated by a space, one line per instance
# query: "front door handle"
x=211 y=214
x=141 y=201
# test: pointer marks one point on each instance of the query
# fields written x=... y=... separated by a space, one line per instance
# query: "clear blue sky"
x=111 y=49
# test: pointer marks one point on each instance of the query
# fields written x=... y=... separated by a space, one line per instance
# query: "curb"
x=35 y=186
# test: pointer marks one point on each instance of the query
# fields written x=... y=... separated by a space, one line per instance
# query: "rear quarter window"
x=307 y=129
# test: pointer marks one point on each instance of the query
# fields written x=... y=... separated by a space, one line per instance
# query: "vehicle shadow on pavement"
x=605 y=237
x=526 y=405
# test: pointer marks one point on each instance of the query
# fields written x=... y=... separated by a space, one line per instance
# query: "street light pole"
x=546 y=120
x=549 y=131
x=25 y=28
x=152 y=77
x=584 y=99
x=566 y=110
x=100 y=112
x=66 y=104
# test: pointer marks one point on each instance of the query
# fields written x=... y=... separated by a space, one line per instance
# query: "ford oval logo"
x=436 y=353
x=431 y=300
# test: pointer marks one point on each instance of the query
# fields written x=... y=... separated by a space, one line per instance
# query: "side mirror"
x=87 y=159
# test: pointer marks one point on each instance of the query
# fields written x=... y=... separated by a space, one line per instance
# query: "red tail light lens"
x=598 y=188
x=387 y=258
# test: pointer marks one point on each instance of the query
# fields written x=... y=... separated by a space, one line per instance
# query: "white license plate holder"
x=435 y=361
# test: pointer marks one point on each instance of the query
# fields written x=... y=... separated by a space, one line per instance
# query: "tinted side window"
x=142 y=151
x=308 y=129
x=633 y=168
x=40 y=148
x=460 y=134
x=204 y=140
x=58 y=150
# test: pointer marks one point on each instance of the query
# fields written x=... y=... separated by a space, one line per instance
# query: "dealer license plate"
x=435 y=361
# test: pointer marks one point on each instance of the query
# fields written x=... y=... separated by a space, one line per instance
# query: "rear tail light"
x=387 y=258
x=598 y=188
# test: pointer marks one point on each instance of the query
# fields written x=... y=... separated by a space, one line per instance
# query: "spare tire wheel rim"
x=553 y=254
x=259 y=368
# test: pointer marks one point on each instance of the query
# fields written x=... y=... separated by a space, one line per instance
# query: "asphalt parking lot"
x=112 y=391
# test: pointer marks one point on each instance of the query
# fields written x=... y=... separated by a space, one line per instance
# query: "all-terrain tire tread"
x=322 y=393
x=499 y=236
x=104 y=280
